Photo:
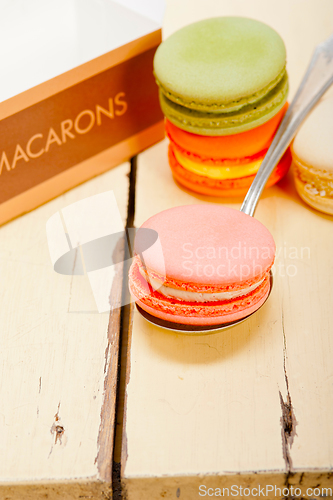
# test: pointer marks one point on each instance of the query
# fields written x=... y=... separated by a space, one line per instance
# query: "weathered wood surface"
x=251 y=405
x=58 y=365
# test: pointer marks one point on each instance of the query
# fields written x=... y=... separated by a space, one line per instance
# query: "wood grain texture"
x=58 y=363
x=251 y=405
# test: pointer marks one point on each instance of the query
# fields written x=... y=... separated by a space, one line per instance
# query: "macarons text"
x=39 y=144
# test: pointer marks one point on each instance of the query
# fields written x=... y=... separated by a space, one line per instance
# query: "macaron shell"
x=229 y=146
x=215 y=320
x=314 y=200
x=209 y=245
x=192 y=313
x=312 y=152
x=224 y=62
x=225 y=187
x=313 y=144
x=216 y=123
x=314 y=186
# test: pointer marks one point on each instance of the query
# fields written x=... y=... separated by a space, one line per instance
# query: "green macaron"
x=222 y=76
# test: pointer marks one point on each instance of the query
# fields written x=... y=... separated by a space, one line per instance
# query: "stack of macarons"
x=214 y=267
x=223 y=88
x=312 y=152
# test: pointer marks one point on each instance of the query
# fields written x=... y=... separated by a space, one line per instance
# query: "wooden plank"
x=58 y=362
x=307 y=300
x=213 y=410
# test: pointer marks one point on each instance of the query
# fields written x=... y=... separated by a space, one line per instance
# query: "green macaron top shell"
x=220 y=64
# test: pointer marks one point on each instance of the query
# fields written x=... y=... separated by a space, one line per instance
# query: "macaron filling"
x=221 y=106
x=189 y=296
x=236 y=186
x=234 y=170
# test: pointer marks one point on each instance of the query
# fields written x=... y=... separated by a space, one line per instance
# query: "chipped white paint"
x=201 y=408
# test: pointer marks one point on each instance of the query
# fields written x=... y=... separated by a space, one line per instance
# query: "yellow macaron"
x=312 y=152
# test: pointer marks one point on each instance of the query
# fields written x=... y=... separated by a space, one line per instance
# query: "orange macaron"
x=223 y=165
x=228 y=187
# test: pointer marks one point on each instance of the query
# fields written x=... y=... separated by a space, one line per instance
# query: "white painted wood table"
x=253 y=405
x=246 y=407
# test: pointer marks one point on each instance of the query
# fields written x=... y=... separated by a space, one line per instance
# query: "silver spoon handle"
x=317 y=79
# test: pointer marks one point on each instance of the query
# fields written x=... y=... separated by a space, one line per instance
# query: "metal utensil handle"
x=317 y=79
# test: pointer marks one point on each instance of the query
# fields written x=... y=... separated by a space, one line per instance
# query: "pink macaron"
x=212 y=266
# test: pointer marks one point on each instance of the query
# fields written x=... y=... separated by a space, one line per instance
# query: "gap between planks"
x=123 y=358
